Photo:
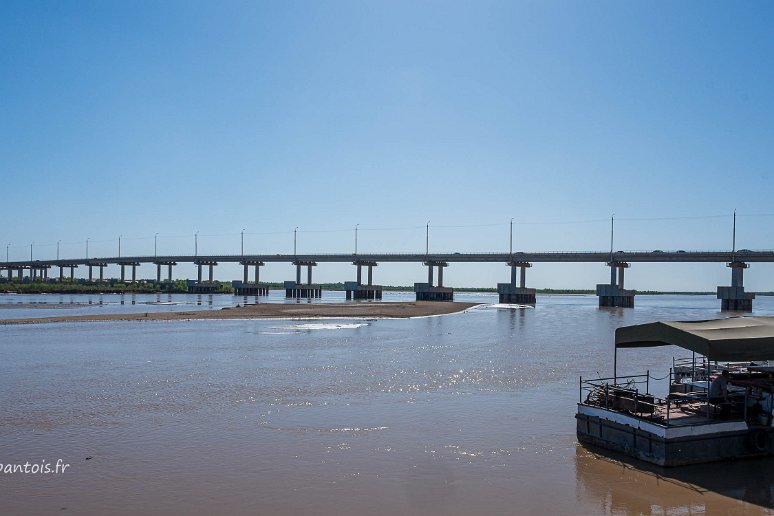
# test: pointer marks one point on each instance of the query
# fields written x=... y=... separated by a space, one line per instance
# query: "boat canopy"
x=735 y=339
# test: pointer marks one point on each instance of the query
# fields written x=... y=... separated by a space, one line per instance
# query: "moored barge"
x=688 y=425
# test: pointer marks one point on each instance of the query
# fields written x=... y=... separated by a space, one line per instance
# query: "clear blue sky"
x=136 y=118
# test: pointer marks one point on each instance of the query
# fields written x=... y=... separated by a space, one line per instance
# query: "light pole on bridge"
x=356 y=225
x=511 y=245
x=7 y=246
x=31 y=244
x=427 y=239
x=612 y=229
x=155 y=242
x=295 y=235
x=243 y=242
x=87 y=248
x=733 y=240
x=196 y=243
x=57 y=249
x=119 y=245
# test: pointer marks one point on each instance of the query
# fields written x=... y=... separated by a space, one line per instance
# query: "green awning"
x=735 y=339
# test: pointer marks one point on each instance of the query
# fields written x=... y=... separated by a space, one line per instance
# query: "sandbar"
x=383 y=310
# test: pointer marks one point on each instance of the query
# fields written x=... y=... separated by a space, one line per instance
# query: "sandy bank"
x=272 y=311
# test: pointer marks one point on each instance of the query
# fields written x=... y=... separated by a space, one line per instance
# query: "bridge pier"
x=169 y=265
x=122 y=273
x=428 y=292
x=510 y=293
x=614 y=294
x=296 y=288
x=245 y=288
x=202 y=287
x=91 y=266
x=356 y=289
x=734 y=298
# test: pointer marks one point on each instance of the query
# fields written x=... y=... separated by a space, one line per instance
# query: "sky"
x=171 y=118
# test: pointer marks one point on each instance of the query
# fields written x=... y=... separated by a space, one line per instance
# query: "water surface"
x=463 y=414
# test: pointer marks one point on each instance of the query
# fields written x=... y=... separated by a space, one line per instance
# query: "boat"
x=685 y=425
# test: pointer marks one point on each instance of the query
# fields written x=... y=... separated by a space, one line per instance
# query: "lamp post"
x=427 y=239
x=196 y=243
x=6 y=252
x=295 y=235
x=119 y=245
x=356 y=225
x=243 y=242
x=733 y=240
x=612 y=232
x=511 y=247
x=57 y=249
x=155 y=242
x=31 y=243
x=87 y=248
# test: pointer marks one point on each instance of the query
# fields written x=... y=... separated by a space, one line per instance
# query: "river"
x=471 y=413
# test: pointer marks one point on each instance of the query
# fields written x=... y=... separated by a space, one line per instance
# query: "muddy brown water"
x=469 y=413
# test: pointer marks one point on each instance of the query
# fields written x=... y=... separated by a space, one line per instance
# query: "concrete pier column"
x=198 y=273
x=370 y=274
x=123 y=273
x=33 y=274
x=514 y=274
x=211 y=268
x=45 y=274
x=61 y=273
x=430 y=275
x=257 y=273
x=440 y=275
x=170 y=272
x=72 y=272
x=614 y=294
x=90 y=273
x=134 y=272
x=734 y=298
x=309 y=274
x=359 y=275
x=101 y=272
x=298 y=273
x=244 y=276
x=737 y=276
x=158 y=273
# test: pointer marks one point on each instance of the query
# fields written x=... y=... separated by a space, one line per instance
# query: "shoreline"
x=382 y=310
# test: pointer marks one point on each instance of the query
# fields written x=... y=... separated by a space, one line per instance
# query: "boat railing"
x=626 y=394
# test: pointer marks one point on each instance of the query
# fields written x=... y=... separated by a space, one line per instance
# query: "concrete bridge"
x=732 y=297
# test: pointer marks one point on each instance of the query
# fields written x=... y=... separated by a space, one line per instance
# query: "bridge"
x=732 y=297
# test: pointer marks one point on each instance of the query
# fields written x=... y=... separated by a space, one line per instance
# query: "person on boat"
x=718 y=391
